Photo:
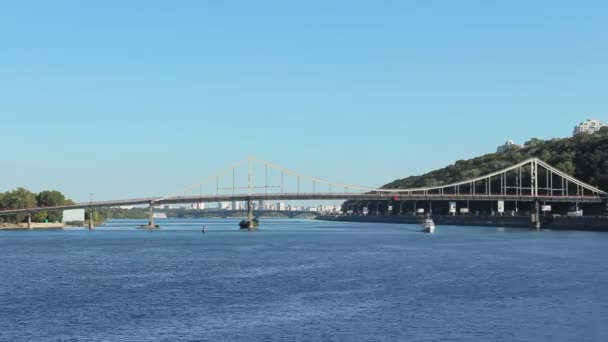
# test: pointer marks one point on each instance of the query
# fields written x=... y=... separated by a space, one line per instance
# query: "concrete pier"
x=151 y=216
x=91 y=219
x=536 y=216
x=151 y=224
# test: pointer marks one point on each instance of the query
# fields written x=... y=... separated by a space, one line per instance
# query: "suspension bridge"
x=254 y=179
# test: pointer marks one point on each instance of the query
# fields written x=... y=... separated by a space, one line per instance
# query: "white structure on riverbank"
x=73 y=215
x=588 y=127
x=507 y=146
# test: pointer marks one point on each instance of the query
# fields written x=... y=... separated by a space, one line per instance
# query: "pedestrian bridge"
x=529 y=181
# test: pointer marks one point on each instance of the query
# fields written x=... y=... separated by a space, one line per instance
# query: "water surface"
x=298 y=280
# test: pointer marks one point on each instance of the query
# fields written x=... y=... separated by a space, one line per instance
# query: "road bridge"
x=529 y=181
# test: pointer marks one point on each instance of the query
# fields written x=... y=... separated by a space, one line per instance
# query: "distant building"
x=224 y=206
x=328 y=209
x=281 y=206
x=507 y=146
x=588 y=127
x=197 y=206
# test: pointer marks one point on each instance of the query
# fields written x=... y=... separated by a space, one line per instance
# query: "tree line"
x=584 y=156
x=21 y=198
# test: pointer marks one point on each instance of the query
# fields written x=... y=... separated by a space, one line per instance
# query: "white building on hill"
x=588 y=127
x=507 y=146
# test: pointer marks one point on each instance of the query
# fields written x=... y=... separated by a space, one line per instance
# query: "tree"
x=97 y=216
x=533 y=142
x=49 y=198
x=583 y=156
x=2 y=206
x=19 y=198
x=567 y=167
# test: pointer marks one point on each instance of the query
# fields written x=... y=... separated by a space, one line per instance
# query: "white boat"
x=428 y=226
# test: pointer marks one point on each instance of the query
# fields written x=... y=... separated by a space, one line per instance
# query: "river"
x=300 y=280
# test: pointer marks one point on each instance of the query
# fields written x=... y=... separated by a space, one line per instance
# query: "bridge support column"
x=250 y=225
x=151 y=216
x=91 y=222
x=536 y=215
x=29 y=220
x=249 y=211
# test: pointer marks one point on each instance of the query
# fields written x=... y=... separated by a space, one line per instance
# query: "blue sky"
x=134 y=98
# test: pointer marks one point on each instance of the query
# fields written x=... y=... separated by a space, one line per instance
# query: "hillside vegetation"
x=584 y=157
x=22 y=198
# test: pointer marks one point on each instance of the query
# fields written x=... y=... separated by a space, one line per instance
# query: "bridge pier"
x=91 y=222
x=536 y=214
x=29 y=220
x=250 y=223
x=151 y=216
x=249 y=214
x=151 y=224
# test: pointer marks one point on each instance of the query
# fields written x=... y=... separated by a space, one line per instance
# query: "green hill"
x=584 y=157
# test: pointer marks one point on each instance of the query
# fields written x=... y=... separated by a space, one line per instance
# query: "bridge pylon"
x=249 y=214
x=151 y=216
x=250 y=221
x=536 y=215
x=151 y=224
x=91 y=222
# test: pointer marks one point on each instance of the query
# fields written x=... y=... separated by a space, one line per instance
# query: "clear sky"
x=137 y=98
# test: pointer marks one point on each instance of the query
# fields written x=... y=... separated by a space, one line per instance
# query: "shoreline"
x=597 y=224
x=34 y=225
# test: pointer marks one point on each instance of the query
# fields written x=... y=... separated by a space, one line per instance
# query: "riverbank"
x=34 y=225
x=557 y=223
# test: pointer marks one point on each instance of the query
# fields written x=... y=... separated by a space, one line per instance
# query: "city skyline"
x=107 y=101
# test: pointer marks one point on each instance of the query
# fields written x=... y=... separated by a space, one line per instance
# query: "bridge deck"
x=309 y=196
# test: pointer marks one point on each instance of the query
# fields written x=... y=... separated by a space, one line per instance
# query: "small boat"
x=244 y=224
x=149 y=227
x=428 y=226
